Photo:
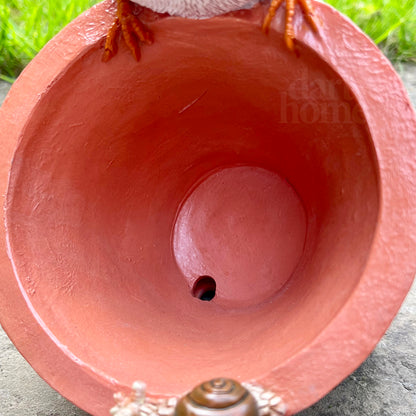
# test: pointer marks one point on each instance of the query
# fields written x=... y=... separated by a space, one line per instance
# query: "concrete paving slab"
x=384 y=385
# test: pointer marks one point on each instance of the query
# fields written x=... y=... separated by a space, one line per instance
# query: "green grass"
x=26 y=25
x=390 y=23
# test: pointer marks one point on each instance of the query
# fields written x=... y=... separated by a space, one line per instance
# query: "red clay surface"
x=289 y=180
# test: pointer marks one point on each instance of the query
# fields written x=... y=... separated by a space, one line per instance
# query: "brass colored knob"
x=218 y=397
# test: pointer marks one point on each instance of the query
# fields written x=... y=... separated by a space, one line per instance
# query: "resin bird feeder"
x=223 y=208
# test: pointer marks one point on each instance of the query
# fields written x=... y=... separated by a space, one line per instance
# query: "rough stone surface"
x=4 y=88
x=385 y=384
x=408 y=75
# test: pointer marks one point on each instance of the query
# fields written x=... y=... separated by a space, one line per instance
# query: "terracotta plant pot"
x=223 y=167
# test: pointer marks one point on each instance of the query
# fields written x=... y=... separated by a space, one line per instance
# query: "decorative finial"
x=211 y=398
x=220 y=394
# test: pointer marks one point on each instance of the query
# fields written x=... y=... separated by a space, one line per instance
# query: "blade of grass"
x=389 y=30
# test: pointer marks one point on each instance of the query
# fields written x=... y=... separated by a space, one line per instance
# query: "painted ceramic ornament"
x=129 y=189
x=217 y=397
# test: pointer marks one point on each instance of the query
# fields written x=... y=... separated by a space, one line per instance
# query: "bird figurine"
x=135 y=32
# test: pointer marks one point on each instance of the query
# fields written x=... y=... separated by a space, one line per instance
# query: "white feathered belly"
x=196 y=9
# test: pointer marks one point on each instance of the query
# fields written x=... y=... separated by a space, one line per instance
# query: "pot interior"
x=195 y=215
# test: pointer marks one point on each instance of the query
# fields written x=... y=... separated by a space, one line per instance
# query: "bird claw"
x=132 y=28
x=289 y=36
x=135 y=32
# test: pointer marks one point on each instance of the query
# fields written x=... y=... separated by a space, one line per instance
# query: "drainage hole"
x=204 y=288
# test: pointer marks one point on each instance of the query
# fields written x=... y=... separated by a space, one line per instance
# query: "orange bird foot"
x=131 y=27
x=308 y=10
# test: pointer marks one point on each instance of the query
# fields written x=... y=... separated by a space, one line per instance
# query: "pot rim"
x=362 y=320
